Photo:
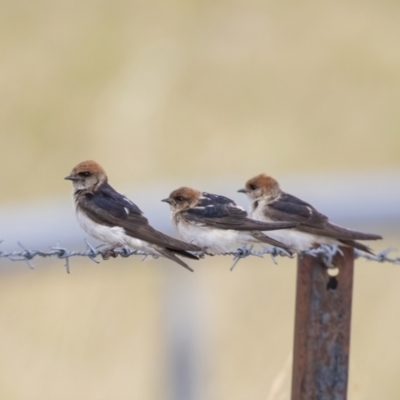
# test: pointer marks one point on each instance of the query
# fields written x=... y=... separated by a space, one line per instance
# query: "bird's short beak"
x=71 y=178
x=242 y=191
x=167 y=201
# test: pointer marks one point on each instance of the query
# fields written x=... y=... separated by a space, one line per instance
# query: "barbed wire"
x=326 y=252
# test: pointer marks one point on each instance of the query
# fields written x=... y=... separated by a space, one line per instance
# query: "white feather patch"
x=112 y=235
x=212 y=240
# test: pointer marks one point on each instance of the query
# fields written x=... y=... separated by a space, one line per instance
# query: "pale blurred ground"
x=188 y=92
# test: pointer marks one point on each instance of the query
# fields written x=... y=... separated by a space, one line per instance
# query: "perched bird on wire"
x=110 y=217
x=270 y=204
x=217 y=224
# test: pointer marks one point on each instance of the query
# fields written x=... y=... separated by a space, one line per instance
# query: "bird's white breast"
x=114 y=235
x=212 y=240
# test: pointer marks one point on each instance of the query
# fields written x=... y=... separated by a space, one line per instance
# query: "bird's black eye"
x=179 y=199
x=252 y=186
x=84 y=173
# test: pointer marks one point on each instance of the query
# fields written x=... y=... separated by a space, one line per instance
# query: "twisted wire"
x=326 y=252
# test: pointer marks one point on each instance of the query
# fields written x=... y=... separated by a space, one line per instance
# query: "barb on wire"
x=244 y=252
x=326 y=252
x=381 y=257
x=62 y=253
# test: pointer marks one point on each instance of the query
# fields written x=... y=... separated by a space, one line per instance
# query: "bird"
x=269 y=203
x=216 y=223
x=110 y=217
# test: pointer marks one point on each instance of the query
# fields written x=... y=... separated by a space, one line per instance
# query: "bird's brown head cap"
x=87 y=175
x=183 y=198
x=261 y=186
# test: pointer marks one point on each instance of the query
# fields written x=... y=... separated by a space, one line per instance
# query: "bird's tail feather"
x=348 y=234
x=169 y=253
x=183 y=253
x=255 y=225
x=261 y=237
x=357 y=245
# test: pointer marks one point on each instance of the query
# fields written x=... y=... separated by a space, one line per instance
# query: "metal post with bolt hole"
x=322 y=327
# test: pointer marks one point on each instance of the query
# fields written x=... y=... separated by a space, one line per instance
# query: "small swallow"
x=110 y=217
x=217 y=224
x=270 y=203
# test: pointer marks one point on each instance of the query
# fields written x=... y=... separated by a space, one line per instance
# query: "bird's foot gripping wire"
x=110 y=252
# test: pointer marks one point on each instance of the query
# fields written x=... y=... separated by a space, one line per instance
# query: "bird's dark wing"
x=108 y=207
x=356 y=245
x=290 y=208
x=222 y=213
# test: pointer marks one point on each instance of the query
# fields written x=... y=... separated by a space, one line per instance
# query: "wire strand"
x=326 y=252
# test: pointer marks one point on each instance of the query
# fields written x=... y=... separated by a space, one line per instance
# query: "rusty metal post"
x=322 y=328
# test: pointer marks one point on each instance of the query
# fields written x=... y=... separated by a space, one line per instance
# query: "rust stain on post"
x=322 y=329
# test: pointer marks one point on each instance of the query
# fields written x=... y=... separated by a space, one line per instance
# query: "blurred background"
x=204 y=94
